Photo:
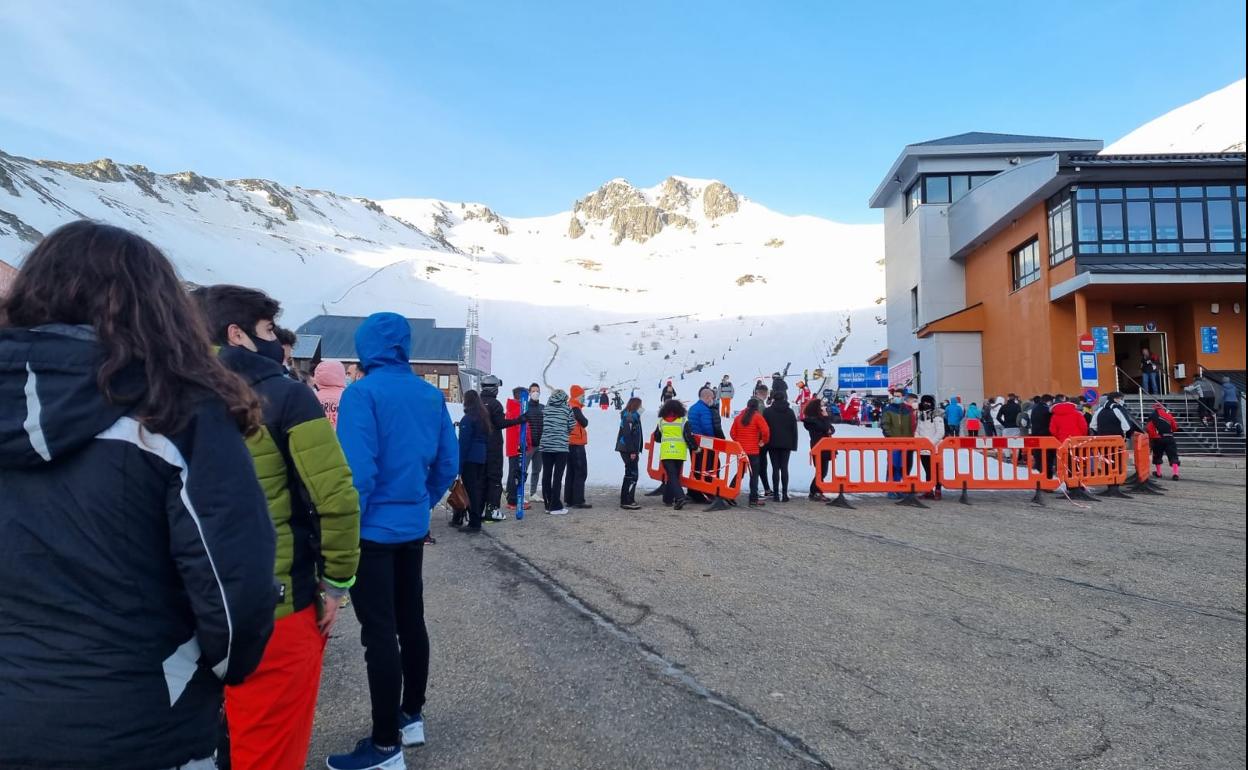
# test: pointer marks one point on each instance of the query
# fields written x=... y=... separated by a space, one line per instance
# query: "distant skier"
x=669 y=392
x=726 y=392
x=803 y=396
x=617 y=401
x=604 y=400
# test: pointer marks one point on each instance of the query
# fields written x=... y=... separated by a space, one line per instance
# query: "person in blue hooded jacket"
x=400 y=443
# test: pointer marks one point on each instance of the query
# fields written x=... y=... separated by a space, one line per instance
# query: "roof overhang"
x=879 y=359
x=969 y=319
x=905 y=167
x=1084 y=280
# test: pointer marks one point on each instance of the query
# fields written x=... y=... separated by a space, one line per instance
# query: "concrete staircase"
x=1195 y=436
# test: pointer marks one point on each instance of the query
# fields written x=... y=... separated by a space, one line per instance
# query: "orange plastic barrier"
x=1140 y=481
x=874 y=465
x=998 y=462
x=1093 y=461
x=654 y=466
x=716 y=468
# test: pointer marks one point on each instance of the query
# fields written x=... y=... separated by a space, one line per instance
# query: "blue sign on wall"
x=852 y=377
x=1088 y=376
x=1208 y=339
x=1100 y=339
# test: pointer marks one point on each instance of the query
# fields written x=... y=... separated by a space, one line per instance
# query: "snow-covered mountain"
x=629 y=287
x=1213 y=123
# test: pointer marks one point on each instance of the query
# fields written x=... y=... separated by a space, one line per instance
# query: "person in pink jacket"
x=331 y=380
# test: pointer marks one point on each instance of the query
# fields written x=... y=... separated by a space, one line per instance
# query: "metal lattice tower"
x=473 y=327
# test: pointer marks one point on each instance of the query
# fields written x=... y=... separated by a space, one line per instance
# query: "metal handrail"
x=1213 y=413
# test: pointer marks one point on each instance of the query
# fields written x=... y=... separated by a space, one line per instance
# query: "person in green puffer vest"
x=316 y=513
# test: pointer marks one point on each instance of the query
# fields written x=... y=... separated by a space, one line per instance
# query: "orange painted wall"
x=1018 y=350
x=1231 y=338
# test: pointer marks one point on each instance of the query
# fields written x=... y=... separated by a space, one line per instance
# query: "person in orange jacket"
x=578 y=462
x=751 y=432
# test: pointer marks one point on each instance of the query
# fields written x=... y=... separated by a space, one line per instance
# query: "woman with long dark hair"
x=133 y=534
x=628 y=443
x=818 y=427
x=474 y=432
x=782 y=427
x=751 y=432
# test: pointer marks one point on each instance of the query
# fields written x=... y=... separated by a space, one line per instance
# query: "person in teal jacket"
x=400 y=443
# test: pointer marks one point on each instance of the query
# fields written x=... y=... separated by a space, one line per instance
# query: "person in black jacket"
x=818 y=426
x=1007 y=416
x=782 y=425
x=494 y=447
x=1041 y=414
x=535 y=437
x=628 y=443
x=136 y=551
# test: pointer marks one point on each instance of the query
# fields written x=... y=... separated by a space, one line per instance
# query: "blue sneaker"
x=412 y=729
x=368 y=757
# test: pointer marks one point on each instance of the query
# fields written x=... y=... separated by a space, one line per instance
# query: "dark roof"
x=984 y=137
x=1186 y=158
x=1228 y=266
x=306 y=346
x=429 y=343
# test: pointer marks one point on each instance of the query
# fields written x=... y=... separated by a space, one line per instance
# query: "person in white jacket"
x=929 y=424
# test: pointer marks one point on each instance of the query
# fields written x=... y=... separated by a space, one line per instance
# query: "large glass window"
x=1025 y=264
x=1061 y=237
x=914 y=197
x=936 y=189
x=1161 y=219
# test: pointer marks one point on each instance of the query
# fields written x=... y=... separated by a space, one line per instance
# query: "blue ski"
x=524 y=436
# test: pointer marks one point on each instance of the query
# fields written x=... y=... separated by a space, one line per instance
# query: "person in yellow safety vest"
x=674 y=437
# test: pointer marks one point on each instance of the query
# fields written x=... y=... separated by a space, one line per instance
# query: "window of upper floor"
x=942 y=188
x=1169 y=218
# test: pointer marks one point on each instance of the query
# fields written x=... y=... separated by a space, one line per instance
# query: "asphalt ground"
x=994 y=635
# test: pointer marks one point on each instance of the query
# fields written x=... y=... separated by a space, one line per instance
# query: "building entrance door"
x=1129 y=356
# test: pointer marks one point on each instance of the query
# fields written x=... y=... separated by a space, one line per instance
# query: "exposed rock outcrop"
x=637 y=223
x=674 y=194
x=575 y=228
x=718 y=201
x=18 y=227
x=190 y=182
x=603 y=203
x=102 y=170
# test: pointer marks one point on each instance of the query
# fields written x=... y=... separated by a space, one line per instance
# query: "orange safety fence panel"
x=716 y=467
x=1093 y=461
x=874 y=465
x=998 y=462
x=654 y=467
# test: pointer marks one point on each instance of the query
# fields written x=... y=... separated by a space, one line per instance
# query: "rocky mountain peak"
x=718 y=200
x=102 y=170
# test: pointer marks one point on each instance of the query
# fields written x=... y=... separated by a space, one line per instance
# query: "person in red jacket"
x=511 y=445
x=751 y=432
x=853 y=405
x=1161 y=428
x=1066 y=420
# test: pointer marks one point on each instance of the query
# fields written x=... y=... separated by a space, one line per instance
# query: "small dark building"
x=435 y=353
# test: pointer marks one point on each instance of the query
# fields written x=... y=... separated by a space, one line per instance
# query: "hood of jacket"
x=576 y=397
x=330 y=375
x=557 y=399
x=383 y=341
x=1065 y=408
x=50 y=403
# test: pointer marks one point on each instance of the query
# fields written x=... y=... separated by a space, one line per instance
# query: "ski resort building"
x=435 y=353
x=1002 y=251
x=8 y=274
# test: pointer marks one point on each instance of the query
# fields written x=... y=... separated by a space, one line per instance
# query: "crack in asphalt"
x=1197 y=609
x=516 y=563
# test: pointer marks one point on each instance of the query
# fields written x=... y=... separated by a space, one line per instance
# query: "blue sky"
x=526 y=105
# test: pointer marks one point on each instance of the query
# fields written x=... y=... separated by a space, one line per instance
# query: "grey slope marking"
x=669 y=669
x=546 y=368
x=1198 y=609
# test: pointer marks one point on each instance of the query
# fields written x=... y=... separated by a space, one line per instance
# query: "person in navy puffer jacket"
x=474 y=433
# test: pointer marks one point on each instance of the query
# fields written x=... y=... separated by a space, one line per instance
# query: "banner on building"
x=861 y=377
x=901 y=374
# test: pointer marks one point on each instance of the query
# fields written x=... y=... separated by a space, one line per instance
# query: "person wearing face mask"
x=898 y=421
x=315 y=510
x=534 y=458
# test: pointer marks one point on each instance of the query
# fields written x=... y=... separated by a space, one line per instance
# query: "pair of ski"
x=524 y=436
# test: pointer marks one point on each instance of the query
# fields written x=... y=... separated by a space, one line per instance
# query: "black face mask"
x=270 y=349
